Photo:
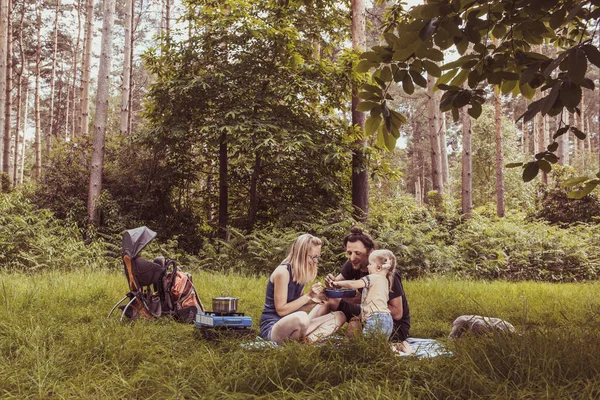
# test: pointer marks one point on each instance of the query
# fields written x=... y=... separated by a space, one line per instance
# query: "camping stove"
x=213 y=325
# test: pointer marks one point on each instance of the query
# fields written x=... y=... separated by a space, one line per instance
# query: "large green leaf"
x=365 y=106
x=587 y=189
x=527 y=91
x=592 y=53
x=570 y=94
x=408 y=85
x=365 y=65
x=531 y=171
x=371 y=125
x=577 y=63
x=418 y=78
x=432 y=68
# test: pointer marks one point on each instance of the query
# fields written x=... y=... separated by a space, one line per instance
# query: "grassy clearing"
x=55 y=342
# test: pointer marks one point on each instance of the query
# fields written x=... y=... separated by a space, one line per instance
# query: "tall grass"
x=55 y=342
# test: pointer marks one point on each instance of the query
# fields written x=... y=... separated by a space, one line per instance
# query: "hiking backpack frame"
x=157 y=287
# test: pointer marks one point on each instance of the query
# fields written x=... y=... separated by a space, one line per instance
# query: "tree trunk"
x=581 y=125
x=499 y=154
x=564 y=141
x=3 y=62
x=540 y=132
x=360 y=177
x=7 y=123
x=467 y=178
x=223 y=187
x=37 y=175
x=24 y=127
x=444 y=150
x=168 y=20
x=19 y=133
x=418 y=195
x=70 y=125
x=434 y=139
x=125 y=86
x=15 y=176
x=51 y=130
x=84 y=116
x=102 y=98
x=253 y=208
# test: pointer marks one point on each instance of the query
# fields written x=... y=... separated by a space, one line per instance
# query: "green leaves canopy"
x=502 y=37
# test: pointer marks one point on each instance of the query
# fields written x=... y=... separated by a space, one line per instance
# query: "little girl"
x=375 y=314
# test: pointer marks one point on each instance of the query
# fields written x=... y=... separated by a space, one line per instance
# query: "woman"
x=285 y=314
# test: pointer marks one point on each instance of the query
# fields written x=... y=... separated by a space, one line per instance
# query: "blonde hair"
x=386 y=260
x=302 y=271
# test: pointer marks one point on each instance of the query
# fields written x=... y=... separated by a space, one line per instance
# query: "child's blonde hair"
x=302 y=271
x=386 y=260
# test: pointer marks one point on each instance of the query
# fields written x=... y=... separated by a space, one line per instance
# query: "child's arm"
x=358 y=284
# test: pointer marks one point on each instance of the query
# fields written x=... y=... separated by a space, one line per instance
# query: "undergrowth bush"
x=262 y=250
x=509 y=248
x=553 y=204
x=419 y=237
x=32 y=239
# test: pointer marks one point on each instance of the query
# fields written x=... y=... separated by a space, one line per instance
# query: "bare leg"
x=290 y=327
x=324 y=326
x=325 y=308
x=354 y=328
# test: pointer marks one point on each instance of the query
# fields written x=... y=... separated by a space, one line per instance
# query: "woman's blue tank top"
x=269 y=315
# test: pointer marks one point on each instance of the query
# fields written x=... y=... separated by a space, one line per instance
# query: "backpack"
x=181 y=295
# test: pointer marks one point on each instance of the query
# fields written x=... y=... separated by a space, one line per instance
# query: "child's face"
x=373 y=267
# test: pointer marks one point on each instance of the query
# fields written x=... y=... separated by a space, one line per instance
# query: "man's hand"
x=329 y=279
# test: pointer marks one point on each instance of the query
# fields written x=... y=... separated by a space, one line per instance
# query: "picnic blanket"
x=424 y=348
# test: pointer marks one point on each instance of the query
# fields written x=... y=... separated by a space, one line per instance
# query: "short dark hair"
x=357 y=235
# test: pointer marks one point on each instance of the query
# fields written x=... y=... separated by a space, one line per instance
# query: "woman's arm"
x=357 y=284
x=281 y=278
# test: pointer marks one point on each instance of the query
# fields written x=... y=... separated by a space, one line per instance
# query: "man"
x=358 y=246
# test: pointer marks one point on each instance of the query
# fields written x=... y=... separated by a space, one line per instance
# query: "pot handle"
x=225 y=293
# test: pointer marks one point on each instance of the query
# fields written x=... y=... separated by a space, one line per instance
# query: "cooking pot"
x=224 y=304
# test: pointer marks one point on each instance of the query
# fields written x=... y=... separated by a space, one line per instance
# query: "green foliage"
x=510 y=249
x=554 y=204
x=260 y=251
x=32 y=239
x=248 y=76
x=517 y=195
x=5 y=184
x=71 y=351
x=497 y=43
x=421 y=243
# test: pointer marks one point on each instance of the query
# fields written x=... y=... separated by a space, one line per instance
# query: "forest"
x=462 y=135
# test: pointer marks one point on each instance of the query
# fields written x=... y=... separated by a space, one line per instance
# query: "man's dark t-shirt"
x=402 y=326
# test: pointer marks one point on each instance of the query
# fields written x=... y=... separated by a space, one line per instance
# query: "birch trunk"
x=360 y=177
x=51 y=130
x=444 y=150
x=434 y=139
x=3 y=61
x=24 y=128
x=499 y=154
x=70 y=119
x=467 y=178
x=19 y=99
x=38 y=131
x=84 y=116
x=102 y=98
x=7 y=119
x=126 y=87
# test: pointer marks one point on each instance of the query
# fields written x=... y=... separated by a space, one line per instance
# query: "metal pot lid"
x=225 y=298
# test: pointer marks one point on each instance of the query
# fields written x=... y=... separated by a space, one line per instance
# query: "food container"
x=224 y=304
x=337 y=293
